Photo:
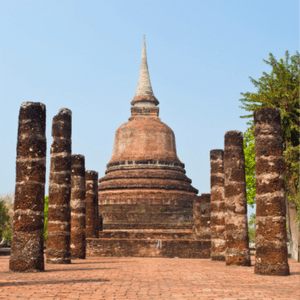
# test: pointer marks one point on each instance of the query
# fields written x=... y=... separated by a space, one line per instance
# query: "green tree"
x=45 y=217
x=249 y=151
x=251 y=228
x=4 y=219
x=279 y=89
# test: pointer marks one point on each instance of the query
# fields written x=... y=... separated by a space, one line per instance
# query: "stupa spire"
x=144 y=94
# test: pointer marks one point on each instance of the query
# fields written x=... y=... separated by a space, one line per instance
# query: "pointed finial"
x=144 y=94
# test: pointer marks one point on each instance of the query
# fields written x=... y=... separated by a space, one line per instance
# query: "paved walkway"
x=147 y=278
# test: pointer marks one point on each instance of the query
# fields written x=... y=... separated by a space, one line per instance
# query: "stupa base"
x=168 y=247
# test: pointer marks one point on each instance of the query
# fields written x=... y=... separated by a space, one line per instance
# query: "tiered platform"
x=179 y=242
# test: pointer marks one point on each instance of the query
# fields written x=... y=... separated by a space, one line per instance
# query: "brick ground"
x=147 y=278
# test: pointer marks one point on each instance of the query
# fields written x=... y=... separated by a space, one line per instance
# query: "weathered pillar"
x=236 y=226
x=91 y=204
x=270 y=224
x=28 y=221
x=205 y=231
x=97 y=207
x=58 y=227
x=100 y=222
x=217 y=204
x=78 y=207
x=197 y=215
x=202 y=216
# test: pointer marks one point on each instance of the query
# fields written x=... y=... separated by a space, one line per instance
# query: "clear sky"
x=85 y=56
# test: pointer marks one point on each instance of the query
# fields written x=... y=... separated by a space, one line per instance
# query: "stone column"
x=197 y=215
x=217 y=199
x=270 y=224
x=58 y=228
x=205 y=232
x=202 y=216
x=28 y=221
x=236 y=226
x=78 y=207
x=100 y=218
x=91 y=203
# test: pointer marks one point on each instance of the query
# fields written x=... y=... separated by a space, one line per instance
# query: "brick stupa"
x=145 y=185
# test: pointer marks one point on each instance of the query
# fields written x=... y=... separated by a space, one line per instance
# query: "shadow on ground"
x=42 y=282
x=83 y=269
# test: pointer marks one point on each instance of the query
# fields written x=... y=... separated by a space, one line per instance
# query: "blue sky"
x=85 y=56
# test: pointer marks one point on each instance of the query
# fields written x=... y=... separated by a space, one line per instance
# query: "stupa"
x=145 y=186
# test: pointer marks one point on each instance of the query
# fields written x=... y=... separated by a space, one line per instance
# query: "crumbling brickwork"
x=77 y=207
x=100 y=220
x=236 y=226
x=197 y=215
x=58 y=228
x=270 y=224
x=91 y=205
x=148 y=248
x=28 y=221
x=217 y=198
x=202 y=216
x=205 y=231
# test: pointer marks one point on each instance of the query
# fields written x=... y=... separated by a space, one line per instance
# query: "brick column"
x=217 y=198
x=205 y=216
x=236 y=226
x=28 y=221
x=100 y=218
x=196 y=215
x=91 y=202
x=78 y=207
x=58 y=228
x=270 y=236
x=202 y=216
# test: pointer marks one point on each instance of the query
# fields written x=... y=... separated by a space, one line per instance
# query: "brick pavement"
x=147 y=278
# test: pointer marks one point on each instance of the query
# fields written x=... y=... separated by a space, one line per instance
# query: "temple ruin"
x=145 y=205
x=145 y=186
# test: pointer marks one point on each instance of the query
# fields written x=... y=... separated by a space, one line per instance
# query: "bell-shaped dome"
x=144 y=140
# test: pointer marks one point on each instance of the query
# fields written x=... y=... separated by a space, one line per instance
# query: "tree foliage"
x=278 y=89
x=292 y=167
x=6 y=216
x=4 y=219
x=251 y=228
x=249 y=151
x=45 y=217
